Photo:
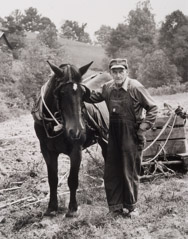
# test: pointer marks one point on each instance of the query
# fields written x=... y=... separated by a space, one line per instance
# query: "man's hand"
x=86 y=93
x=141 y=138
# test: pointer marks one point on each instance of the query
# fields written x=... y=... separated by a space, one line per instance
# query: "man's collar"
x=125 y=84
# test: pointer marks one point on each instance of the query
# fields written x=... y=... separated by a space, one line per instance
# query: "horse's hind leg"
x=75 y=158
x=52 y=168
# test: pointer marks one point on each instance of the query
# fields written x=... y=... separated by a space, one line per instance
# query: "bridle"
x=59 y=125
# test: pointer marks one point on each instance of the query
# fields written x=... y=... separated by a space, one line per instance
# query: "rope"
x=43 y=88
x=162 y=148
x=163 y=129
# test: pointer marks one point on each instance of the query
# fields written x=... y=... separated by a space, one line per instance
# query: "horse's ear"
x=84 y=69
x=55 y=69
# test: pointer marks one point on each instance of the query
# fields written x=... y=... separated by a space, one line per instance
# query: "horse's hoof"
x=71 y=214
x=50 y=213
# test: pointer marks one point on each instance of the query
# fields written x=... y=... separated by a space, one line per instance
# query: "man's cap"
x=118 y=63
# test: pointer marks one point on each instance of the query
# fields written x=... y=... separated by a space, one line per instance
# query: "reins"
x=58 y=126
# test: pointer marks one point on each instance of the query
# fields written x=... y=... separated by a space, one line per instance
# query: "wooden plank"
x=172 y=147
x=184 y=158
x=177 y=133
x=160 y=122
x=164 y=162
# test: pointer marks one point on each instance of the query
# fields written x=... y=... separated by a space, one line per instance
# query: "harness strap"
x=47 y=133
x=44 y=103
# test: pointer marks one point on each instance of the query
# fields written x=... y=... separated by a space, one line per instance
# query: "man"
x=126 y=100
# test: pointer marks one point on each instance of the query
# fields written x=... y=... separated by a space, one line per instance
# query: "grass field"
x=80 y=53
x=163 y=201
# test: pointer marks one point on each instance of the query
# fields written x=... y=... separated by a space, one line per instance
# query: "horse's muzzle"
x=76 y=135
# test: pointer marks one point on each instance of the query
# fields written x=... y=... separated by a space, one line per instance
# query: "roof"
x=2 y=35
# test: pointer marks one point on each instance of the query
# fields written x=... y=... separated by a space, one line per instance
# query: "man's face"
x=119 y=75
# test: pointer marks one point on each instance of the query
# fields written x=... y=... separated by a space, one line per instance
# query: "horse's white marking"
x=75 y=86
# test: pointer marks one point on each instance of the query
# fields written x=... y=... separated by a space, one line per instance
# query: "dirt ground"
x=23 y=171
x=24 y=195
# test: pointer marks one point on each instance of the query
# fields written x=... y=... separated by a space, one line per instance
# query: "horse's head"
x=69 y=96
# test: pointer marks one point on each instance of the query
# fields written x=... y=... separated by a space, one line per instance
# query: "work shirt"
x=145 y=108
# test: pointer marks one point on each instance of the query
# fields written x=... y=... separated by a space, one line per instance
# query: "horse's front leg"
x=75 y=158
x=52 y=168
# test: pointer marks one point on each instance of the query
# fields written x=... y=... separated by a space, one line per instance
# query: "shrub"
x=169 y=90
x=49 y=36
x=35 y=70
x=6 y=60
x=156 y=70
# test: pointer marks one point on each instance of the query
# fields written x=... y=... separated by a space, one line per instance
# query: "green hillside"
x=80 y=53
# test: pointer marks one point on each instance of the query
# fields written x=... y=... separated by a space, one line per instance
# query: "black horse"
x=65 y=124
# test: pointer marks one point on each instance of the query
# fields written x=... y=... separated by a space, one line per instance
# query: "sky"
x=93 y=12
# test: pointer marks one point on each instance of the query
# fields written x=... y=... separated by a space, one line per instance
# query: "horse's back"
x=98 y=117
x=99 y=111
x=98 y=80
x=104 y=112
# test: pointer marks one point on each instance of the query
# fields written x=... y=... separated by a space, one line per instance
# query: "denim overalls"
x=123 y=164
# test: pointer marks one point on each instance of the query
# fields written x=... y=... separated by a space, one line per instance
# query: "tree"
x=138 y=31
x=17 y=24
x=1 y=21
x=49 y=36
x=156 y=70
x=35 y=70
x=5 y=68
x=13 y=23
x=103 y=34
x=45 y=22
x=14 y=29
x=173 y=39
x=85 y=38
x=31 y=20
x=118 y=40
x=180 y=56
x=72 y=30
x=169 y=28
x=142 y=24
x=134 y=56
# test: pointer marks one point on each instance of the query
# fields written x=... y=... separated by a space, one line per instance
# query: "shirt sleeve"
x=95 y=96
x=147 y=102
